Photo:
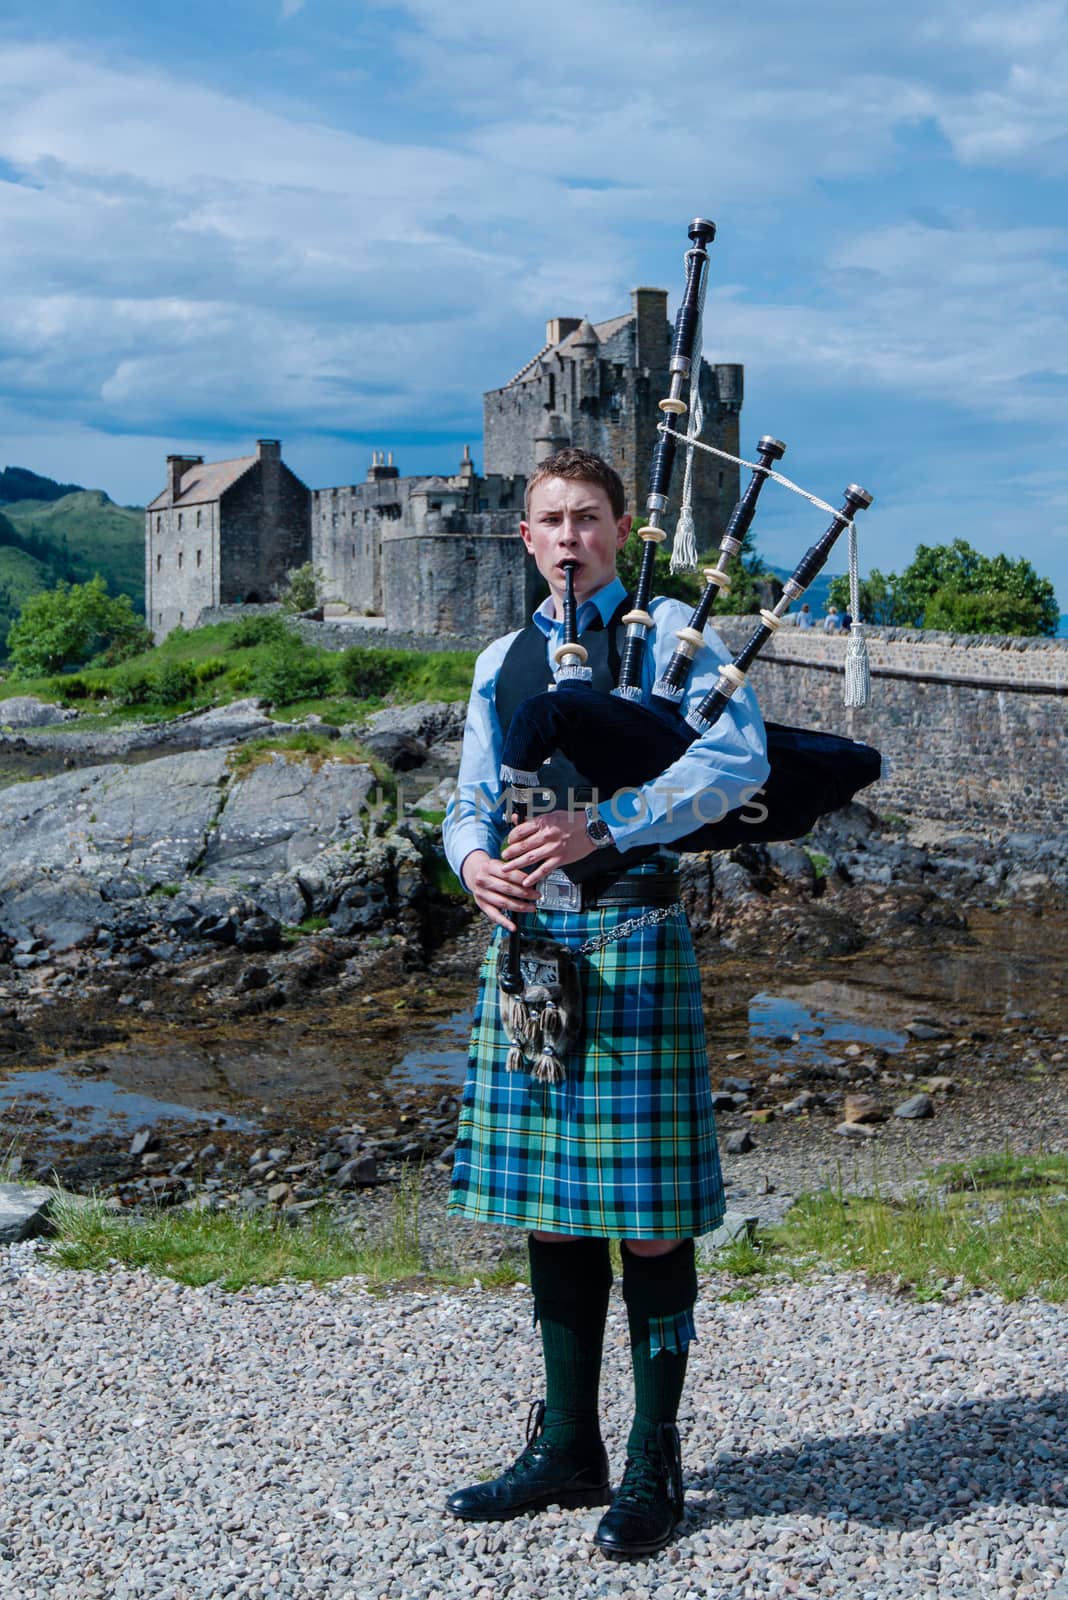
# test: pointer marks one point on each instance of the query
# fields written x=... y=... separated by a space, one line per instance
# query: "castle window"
x=179 y=522
x=198 y=519
x=159 y=563
x=159 y=524
x=354 y=519
x=552 y=390
x=721 y=480
x=159 y=618
x=198 y=552
x=180 y=560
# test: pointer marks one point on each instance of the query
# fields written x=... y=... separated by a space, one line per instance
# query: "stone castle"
x=436 y=554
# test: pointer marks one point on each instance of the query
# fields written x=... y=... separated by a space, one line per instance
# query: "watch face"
x=598 y=830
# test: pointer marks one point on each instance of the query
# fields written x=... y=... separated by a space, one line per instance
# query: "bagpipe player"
x=624 y=1147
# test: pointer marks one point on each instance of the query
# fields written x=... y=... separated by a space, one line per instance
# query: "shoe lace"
x=653 y=1472
x=537 y=1446
x=643 y=1480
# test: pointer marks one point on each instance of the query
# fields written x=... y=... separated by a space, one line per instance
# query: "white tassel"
x=857 y=669
x=684 y=545
x=857 y=691
x=684 y=548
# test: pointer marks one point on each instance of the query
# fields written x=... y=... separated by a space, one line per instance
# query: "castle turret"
x=650 y=328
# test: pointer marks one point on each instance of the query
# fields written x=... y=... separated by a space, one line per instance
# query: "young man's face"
x=572 y=521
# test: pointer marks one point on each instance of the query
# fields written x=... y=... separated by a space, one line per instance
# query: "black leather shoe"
x=649 y=1504
x=544 y=1475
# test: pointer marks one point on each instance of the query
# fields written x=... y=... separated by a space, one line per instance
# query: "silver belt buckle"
x=558 y=893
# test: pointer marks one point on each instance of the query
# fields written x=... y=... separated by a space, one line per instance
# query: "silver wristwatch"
x=597 y=830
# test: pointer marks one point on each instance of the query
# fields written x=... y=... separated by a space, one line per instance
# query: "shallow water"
x=61 y=1106
x=334 y=1062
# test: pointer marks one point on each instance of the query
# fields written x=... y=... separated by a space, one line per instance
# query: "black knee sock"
x=571 y=1283
x=659 y=1292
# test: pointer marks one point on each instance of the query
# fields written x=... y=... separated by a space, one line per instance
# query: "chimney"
x=177 y=467
x=269 y=456
x=557 y=328
x=380 y=468
x=651 y=337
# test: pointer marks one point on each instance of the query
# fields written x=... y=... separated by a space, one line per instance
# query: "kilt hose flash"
x=625 y=1147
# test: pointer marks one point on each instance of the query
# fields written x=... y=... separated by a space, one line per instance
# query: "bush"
x=267 y=628
x=73 y=686
x=302 y=588
x=242 y=677
x=291 y=670
x=174 y=682
x=213 y=667
x=364 y=672
x=133 y=686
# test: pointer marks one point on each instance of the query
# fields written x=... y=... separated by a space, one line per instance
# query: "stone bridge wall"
x=975 y=726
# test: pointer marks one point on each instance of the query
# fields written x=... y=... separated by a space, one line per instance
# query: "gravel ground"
x=174 y=1442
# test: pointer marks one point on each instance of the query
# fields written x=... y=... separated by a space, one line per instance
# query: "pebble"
x=167 y=1441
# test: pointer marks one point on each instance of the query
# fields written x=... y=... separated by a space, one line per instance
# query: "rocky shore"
x=291 y=910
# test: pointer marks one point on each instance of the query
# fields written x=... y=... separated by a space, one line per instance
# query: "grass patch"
x=259 y=656
x=238 y=1249
x=996 y=1223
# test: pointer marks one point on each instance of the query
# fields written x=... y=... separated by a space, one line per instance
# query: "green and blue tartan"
x=626 y=1146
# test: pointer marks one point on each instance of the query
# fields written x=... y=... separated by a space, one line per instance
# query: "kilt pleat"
x=626 y=1146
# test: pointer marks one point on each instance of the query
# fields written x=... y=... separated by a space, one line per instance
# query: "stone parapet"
x=975 y=727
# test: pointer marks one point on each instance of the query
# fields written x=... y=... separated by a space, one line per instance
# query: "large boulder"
x=282 y=813
x=24 y=711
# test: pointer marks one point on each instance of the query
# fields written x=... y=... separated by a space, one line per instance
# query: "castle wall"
x=265 y=534
x=465 y=574
x=975 y=726
x=605 y=398
x=346 y=531
x=181 y=565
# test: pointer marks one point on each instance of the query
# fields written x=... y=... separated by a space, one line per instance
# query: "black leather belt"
x=558 y=893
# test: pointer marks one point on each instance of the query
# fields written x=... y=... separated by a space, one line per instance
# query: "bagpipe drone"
x=616 y=742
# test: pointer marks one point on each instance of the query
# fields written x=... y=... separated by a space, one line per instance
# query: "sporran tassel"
x=549 y=1068
x=857 y=690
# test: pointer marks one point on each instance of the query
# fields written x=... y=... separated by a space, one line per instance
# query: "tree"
x=69 y=624
x=955 y=588
x=748 y=573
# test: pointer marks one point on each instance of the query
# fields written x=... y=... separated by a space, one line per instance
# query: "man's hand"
x=497 y=888
x=544 y=843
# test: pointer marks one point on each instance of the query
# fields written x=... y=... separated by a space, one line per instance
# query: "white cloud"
x=182 y=257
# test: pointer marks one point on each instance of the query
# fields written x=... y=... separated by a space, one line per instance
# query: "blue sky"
x=339 y=224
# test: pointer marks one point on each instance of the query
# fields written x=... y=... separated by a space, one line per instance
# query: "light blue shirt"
x=719 y=772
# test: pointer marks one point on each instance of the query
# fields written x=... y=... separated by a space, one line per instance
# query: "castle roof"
x=204 y=481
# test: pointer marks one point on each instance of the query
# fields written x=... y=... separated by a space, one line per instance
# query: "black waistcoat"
x=525 y=671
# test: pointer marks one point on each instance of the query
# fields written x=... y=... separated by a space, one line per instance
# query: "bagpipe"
x=617 y=742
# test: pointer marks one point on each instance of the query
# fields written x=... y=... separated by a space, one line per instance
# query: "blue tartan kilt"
x=626 y=1146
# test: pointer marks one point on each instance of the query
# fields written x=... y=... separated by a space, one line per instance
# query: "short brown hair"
x=580 y=466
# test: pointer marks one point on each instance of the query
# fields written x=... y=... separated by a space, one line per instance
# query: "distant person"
x=847 y=621
x=805 y=619
x=831 y=621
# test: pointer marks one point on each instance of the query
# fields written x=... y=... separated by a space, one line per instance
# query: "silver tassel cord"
x=857 y=665
x=684 y=544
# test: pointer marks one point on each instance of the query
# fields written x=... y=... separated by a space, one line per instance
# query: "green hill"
x=20 y=576
x=89 y=533
x=19 y=483
x=45 y=542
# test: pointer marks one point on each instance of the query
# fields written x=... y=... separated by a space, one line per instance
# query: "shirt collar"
x=603 y=604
